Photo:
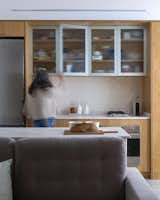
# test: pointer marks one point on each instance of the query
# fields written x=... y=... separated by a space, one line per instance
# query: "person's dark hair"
x=41 y=81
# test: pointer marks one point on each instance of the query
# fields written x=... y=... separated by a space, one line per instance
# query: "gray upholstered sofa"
x=73 y=168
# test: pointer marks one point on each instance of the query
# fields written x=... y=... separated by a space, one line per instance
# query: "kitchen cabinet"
x=44 y=48
x=118 y=51
x=11 y=29
x=132 y=54
x=73 y=50
x=90 y=50
x=103 y=51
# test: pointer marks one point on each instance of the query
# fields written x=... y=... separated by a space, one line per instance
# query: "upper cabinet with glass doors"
x=44 y=48
x=103 y=51
x=132 y=52
x=90 y=51
x=74 y=54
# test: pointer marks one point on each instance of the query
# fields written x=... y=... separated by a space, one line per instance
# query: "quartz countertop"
x=99 y=116
x=56 y=132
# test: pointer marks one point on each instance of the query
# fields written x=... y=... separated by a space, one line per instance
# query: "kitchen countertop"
x=56 y=132
x=99 y=116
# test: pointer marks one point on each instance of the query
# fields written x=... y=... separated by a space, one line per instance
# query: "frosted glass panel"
x=44 y=49
x=74 y=50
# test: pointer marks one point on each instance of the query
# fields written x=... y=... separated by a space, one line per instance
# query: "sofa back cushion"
x=88 y=168
x=6 y=148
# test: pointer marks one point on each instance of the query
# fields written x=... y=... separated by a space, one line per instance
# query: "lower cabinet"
x=145 y=138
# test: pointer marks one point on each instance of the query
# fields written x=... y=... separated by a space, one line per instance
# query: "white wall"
x=151 y=9
x=101 y=93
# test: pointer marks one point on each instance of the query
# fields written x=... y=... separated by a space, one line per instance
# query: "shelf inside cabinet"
x=101 y=61
x=45 y=61
x=72 y=60
x=103 y=40
x=132 y=40
x=44 y=41
x=129 y=60
x=73 y=40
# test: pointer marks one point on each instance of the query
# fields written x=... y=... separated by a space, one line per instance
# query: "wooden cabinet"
x=103 y=51
x=90 y=51
x=74 y=50
x=118 y=51
x=155 y=100
x=60 y=48
x=44 y=48
x=11 y=29
x=145 y=139
x=132 y=58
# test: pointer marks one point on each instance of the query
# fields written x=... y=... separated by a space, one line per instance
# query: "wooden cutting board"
x=99 y=132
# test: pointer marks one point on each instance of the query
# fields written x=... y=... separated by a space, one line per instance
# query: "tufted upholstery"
x=6 y=148
x=70 y=168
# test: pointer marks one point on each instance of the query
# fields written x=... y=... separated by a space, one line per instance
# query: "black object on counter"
x=115 y=112
x=137 y=107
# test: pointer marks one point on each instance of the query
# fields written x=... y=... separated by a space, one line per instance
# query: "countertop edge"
x=99 y=117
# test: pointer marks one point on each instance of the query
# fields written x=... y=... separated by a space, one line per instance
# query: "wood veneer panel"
x=87 y=22
x=155 y=100
x=28 y=56
x=11 y=28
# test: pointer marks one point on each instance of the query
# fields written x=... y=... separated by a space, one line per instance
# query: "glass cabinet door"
x=103 y=51
x=132 y=51
x=73 y=57
x=44 y=49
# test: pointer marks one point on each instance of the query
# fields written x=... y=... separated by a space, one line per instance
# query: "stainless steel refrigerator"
x=11 y=82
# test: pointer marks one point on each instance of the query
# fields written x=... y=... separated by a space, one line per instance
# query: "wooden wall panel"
x=28 y=56
x=11 y=28
x=147 y=78
x=87 y=22
x=155 y=100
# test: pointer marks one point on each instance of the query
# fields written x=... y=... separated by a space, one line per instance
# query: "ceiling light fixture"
x=79 y=10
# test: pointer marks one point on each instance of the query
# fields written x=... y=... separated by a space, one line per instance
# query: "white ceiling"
x=80 y=9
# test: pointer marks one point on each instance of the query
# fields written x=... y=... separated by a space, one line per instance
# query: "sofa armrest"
x=137 y=187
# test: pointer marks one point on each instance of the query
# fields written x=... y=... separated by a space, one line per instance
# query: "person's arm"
x=26 y=109
x=57 y=80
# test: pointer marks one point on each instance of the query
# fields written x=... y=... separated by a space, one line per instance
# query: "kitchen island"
x=57 y=132
x=143 y=122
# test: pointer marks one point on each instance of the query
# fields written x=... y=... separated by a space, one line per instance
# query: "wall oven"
x=133 y=145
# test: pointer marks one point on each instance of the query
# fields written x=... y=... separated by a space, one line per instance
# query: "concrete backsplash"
x=100 y=93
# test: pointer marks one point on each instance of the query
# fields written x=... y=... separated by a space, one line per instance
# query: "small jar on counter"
x=72 y=109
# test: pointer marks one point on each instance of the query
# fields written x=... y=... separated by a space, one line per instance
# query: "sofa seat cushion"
x=70 y=168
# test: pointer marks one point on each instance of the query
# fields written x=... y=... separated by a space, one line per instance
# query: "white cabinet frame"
x=115 y=73
x=88 y=49
x=119 y=28
x=56 y=42
x=85 y=28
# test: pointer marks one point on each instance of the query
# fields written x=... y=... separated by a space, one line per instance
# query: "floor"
x=155 y=184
